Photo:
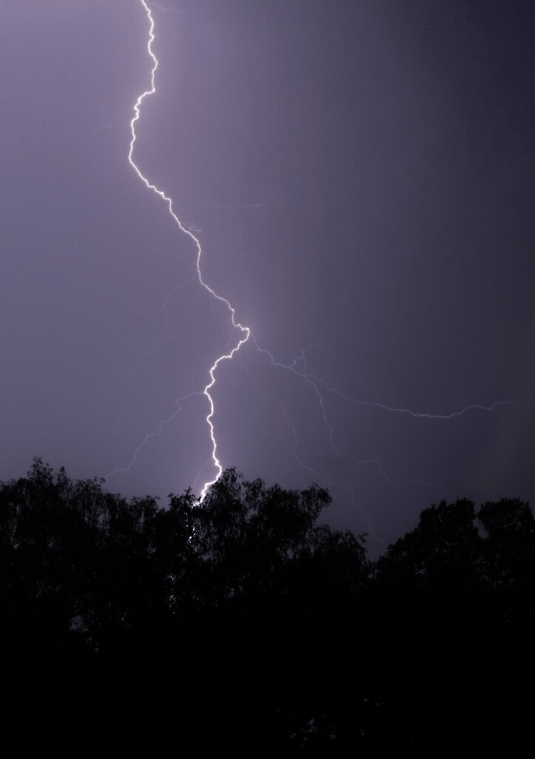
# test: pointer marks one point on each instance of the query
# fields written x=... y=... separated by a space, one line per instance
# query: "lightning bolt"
x=244 y=331
x=298 y=367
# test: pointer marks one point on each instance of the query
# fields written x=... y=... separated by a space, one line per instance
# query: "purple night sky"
x=360 y=177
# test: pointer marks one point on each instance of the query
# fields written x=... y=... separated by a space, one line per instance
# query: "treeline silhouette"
x=242 y=624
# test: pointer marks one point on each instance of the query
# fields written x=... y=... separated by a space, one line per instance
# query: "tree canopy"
x=243 y=620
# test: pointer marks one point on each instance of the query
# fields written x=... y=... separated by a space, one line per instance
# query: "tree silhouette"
x=459 y=592
x=242 y=621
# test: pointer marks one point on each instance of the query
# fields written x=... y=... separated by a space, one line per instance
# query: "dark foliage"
x=242 y=622
x=454 y=603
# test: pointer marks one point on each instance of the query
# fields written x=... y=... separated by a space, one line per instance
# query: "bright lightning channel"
x=297 y=367
x=245 y=331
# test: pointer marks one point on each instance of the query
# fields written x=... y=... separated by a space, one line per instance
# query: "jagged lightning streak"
x=299 y=367
x=244 y=331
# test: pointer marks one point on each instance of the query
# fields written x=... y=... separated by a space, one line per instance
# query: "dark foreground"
x=243 y=625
